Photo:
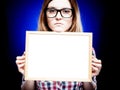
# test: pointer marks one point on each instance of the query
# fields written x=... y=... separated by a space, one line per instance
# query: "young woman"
x=60 y=16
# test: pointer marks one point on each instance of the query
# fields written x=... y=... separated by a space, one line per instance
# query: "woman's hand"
x=20 y=61
x=96 y=66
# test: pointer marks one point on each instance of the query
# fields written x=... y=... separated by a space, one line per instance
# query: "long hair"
x=76 y=22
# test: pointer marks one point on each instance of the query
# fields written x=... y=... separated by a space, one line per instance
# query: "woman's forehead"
x=60 y=4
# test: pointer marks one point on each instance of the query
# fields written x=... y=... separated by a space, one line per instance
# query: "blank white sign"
x=58 y=56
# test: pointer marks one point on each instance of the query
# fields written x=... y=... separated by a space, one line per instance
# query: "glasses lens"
x=51 y=12
x=66 y=12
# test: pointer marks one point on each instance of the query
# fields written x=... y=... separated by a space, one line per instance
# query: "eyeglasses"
x=65 y=12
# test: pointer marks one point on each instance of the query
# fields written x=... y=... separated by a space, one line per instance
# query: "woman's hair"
x=76 y=22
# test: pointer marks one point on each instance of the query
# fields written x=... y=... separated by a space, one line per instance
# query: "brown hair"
x=76 y=24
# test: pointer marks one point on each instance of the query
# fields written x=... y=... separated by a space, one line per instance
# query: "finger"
x=21 y=65
x=95 y=60
x=21 y=68
x=95 y=71
x=20 y=61
x=94 y=68
x=21 y=71
x=97 y=65
x=20 y=57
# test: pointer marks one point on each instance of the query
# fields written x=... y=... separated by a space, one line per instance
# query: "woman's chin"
x=58 y=30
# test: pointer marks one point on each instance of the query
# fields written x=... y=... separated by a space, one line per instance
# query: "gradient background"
x=17 y=16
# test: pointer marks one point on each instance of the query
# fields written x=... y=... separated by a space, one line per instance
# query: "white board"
x=64 y=56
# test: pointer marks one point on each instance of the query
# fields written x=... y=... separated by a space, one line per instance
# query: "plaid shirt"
x=57 y=85
x=61 y=85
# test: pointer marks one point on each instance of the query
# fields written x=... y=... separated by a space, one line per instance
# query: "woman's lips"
x=58 y=24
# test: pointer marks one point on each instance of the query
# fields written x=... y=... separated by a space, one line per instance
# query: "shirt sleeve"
x=94 y=81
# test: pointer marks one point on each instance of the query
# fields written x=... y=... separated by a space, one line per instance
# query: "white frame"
x=60 y=56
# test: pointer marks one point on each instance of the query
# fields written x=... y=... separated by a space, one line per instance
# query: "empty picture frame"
x=58 y=56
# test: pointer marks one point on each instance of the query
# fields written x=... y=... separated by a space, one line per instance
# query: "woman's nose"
x=58 y=15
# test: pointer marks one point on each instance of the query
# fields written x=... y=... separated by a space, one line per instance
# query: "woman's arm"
x=28 y=85
x=90 y=85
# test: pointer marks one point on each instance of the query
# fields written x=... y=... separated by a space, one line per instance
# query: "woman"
x=60 y=16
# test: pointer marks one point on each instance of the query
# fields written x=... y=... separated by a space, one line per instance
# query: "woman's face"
x=59 y=21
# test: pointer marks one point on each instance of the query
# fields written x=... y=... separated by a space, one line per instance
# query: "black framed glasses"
x=65 y=12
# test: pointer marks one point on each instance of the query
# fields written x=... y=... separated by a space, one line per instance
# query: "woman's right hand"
x=20 y=61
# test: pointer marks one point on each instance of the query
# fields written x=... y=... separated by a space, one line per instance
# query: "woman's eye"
x=66 y=11
x=52 y=10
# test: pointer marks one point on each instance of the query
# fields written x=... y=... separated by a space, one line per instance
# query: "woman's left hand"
x=96 y=66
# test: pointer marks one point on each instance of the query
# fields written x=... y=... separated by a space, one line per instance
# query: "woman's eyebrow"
x=51 y=7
